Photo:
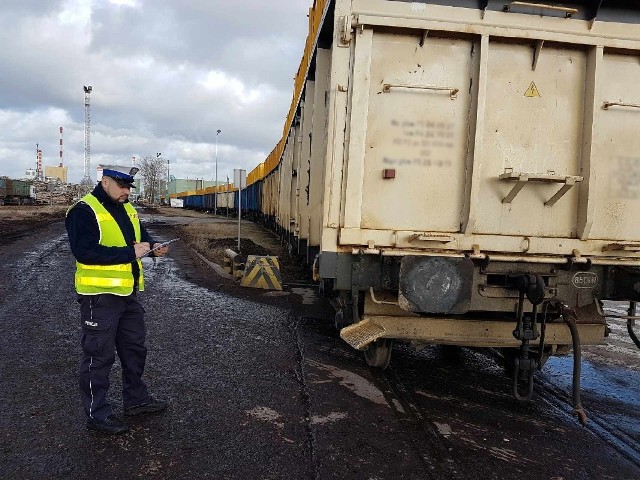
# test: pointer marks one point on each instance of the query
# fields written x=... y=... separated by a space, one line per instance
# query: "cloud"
x=165 y=76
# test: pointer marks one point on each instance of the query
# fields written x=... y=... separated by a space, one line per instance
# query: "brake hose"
x=567 y=316
x=630 y=323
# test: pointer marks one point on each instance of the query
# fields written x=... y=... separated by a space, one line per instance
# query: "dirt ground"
x=211 y=236
x=209 y=239
x=16 y=221
x=260 y=386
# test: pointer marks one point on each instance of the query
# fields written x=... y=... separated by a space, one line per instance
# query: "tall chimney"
x=61 y=159
x=39 y=172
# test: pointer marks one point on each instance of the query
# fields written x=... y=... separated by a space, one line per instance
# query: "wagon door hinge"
x=348 y=23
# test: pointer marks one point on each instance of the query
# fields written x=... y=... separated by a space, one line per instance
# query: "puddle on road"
x=608 y=382
x=398 y=406
x=354 y=382
x=266 y=414
x=42 y=251
x=472 y=435
x=610 y=394
x=276 y=293
x=164 y=279
x=331 y=418
x=308 y=295
x=443 y=429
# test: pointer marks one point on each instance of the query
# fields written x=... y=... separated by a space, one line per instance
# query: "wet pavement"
x=261 y=387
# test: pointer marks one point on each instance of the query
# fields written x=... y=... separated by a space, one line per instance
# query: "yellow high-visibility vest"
x=114 y=279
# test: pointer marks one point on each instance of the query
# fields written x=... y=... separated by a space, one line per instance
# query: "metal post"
x=239 y=215
x=158 y=155
x=215 y=195
x=239 y=179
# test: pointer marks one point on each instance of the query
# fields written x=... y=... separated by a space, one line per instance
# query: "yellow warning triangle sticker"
x=532 y=91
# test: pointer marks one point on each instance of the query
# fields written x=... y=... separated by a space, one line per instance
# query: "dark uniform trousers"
x=111 y=323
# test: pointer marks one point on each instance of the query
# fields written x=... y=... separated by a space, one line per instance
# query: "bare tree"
x=152 y=173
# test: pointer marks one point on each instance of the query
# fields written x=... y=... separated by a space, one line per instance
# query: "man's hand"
x=141 y=248
x=162 y=251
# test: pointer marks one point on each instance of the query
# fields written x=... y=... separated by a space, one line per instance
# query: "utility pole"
x=215 y=197
x=167 y=184
x=86 y=180
x=158 y=168
x=240 y=181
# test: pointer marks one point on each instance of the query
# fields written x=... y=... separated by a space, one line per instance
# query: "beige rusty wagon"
x=465 y=172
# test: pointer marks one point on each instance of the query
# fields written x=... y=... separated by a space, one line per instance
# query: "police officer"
x=108 y=241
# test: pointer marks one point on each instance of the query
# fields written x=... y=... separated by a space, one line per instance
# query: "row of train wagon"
x=462 y=172
x=15 y=192
x=223 y=199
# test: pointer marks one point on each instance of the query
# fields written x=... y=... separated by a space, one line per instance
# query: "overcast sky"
x=166 y=74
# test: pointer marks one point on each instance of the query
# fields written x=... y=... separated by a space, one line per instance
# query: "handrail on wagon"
x=622 y=246
x=453 y=92
x=523 y=178
x=431 y=237
x=606 y=105
x=568 y=11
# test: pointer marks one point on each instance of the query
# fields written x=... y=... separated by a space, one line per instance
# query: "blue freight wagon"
x=195 y=202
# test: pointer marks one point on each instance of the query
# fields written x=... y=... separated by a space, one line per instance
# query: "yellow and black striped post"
x=262 y=272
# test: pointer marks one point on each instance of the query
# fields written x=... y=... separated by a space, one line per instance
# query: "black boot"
x=111 y=425
x=152 y=406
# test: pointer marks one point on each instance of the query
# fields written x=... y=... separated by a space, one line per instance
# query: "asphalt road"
x=260 y=387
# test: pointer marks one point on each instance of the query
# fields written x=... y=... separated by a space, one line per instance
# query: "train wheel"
x=378 y=354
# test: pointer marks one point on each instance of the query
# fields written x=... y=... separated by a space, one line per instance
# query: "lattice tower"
x=86 y=180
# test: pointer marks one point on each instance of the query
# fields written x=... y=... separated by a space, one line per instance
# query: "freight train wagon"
x=222 y=199
x=15 y=192
x=465 y=172
x=193 y=200
x=205 y=199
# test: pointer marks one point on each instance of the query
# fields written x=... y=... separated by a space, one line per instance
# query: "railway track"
x=427 y=437
x=561 y=401
x=426 y=441
x=615 y=436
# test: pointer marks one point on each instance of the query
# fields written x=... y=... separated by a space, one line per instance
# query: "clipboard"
x=159 y=246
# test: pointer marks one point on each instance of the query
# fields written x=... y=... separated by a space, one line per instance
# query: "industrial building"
x=177 y=185
x=60 y=172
